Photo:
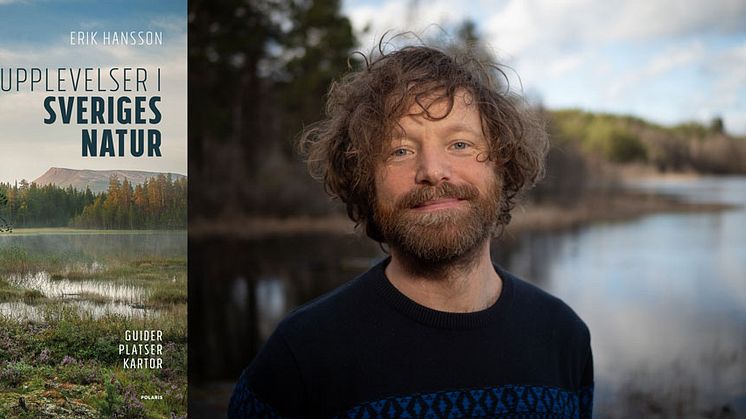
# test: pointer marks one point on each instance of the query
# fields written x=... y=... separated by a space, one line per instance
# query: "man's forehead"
x=440 y=109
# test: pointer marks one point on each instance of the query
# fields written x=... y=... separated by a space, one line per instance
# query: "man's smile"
x=440 y=203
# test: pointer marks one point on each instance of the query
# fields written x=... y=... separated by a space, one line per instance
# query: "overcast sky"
x=668 y=61
x=37 y=34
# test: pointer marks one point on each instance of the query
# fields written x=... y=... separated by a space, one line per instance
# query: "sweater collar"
x=442 y=319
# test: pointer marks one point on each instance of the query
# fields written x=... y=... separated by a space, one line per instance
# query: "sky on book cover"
x=73 y=36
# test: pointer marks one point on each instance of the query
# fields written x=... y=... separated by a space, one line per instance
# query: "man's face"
x=436 y=192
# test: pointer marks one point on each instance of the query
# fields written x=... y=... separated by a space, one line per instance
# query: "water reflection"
x=240 y=289
x=271 y=303
x=61 y=288
x=664 y=297
x=21 y=311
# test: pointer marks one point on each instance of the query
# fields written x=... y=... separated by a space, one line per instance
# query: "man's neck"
x=467 y=288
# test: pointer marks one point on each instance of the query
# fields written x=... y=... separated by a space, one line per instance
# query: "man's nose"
x=433 y=167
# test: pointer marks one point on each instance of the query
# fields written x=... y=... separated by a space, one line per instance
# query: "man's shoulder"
x=533 y=304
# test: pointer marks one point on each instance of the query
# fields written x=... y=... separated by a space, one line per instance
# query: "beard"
x=434 y=244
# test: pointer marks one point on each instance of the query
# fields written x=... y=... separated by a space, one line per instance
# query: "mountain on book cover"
x=93 y=206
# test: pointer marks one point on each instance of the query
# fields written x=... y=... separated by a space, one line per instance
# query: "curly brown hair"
x=364 y=107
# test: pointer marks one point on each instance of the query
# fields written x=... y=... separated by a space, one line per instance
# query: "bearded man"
x=429 y=155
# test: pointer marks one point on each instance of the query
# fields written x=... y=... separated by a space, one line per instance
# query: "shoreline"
x=616 y=206
x=622 y=205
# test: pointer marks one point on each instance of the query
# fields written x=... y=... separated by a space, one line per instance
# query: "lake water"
x=664 y=297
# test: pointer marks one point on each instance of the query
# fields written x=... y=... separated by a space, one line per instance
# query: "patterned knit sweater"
x=366 y=350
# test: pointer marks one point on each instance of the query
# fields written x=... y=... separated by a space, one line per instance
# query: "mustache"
x=422 y=194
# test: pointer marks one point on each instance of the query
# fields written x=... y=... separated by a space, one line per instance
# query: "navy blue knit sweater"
x=365 y=350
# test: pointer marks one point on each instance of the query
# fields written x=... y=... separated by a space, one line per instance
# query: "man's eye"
x=400 y=152
x=460 y=145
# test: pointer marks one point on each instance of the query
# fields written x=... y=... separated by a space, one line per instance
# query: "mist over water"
x=100 y=245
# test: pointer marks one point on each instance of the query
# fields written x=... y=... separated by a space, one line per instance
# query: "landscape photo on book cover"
x=93 y=209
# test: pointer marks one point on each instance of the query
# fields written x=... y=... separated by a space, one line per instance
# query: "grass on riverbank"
x=16 y=259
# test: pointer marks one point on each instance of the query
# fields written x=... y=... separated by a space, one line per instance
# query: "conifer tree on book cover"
x=93 y=204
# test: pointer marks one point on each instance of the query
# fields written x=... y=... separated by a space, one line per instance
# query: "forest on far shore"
x=159 y=203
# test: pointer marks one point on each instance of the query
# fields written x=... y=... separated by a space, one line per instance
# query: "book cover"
x=93 y=198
